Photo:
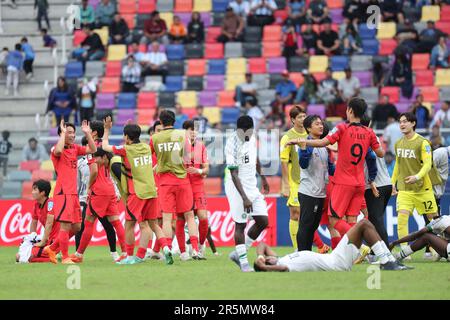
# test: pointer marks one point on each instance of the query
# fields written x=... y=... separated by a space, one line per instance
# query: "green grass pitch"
x=216 y=278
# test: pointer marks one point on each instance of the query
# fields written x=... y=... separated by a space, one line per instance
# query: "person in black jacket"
x=196 y=29
x=119 y=30
x=91 y=48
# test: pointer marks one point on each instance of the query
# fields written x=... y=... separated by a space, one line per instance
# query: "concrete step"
x=13 y=27
x=34 y=39
x=22 y=107
x=26 y=90
x=40 y=74
x=26 y=12
x=19 y=124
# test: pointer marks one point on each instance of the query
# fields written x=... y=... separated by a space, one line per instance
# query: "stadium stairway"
x=18 y=114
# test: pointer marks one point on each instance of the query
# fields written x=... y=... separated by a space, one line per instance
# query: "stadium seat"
x=145 y=117
x=165 y=5
x=297 y=78
x=317 y=109
x=272 y=33
x=113 y=69
x=420 y=61
x=141 y=18
x=219 y=5
x=127 y=6
x=207 y=98
x=30 y=165
x=214 y=51
x=442 y=77
x=265 y=96
x=167 y=17
x=125 y=115
x=392 y=92
x=194 y=83
x=47 y=165
x=174 y=83
x=166 y=99
x=233 y=50
x=78 y=37
x=74 y=69
x=280 y=16
x=444 y=93
x=445 y=13
x=386 y=30
x=175 y=68
x=234 y=80
x=261 y=80
x=215 y=82
x=94 y=69
x=251 y=49
x=444 y=26
x=216 y=66
x=256 y=65
x=225 y=99
x=19 y=175
x=126 y=100
x=11 y=190
x=183 y=6
x=339 y=63
x=370 y=47
x=130 y=19
x=432 y=13
x=27 y=187
x=187 y=99
x=42 y=174
x=370 y=94
x=212 y=33
x=319 y=76
x=146 y=6
x=276 y=65
x=110 y=85
x=275 y=79
x=253 y=34
x=366 y=33
x=202 y=5
x=193 y=50
x=361 y=63
x=430 y=93
x=146 y=100
x=105 y=101
x=213 y=186
x=274 y=184
x=196 y=67
x=318 y=64
x=236 y=66
x=387 y=47
x=103 y=33
x=338 y=75
x=424 y=78
x=297 y=64
x=230 y=115
x=335 y=4
x=175 y=52
x=271 y=49
x=212 y=114
x=117 y=52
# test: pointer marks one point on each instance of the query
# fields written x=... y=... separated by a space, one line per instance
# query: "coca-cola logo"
x=15 y=224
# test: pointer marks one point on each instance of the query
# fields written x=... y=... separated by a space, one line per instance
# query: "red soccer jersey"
x=66 y=168
x=155 y=162
x=197 y=156
x=103 y=185
x=40 y=213
x=353 y=141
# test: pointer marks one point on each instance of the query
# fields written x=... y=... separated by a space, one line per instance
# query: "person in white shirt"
x=241 y=188
x=34 y=151
x=154 y=62
x=261 y=12
x=241 y=8
x=442 y=116
x=254 y=111
x=392 y=134
x=349 y=86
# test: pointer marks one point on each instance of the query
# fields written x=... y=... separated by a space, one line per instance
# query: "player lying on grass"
x=436 y=234
x=341 y=259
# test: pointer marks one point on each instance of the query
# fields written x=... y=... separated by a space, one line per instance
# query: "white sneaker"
x=185 y=256
x=195 y=255
x=202 y=250
x=149 y=254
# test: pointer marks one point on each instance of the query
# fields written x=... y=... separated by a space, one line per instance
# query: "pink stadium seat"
x=110 y=85
x=212 y=33
x=146 y=6
x=146 y=100
x=272 y=33
x=113 y=69
x=226 y=99
x=145 y=116
x=445 y=13
x=78 y=37
x=387 y=47
x=196 y=67
x=127 y=6
x=424 y=78
x=27 y=187
x=257 y=65
x=42 y=174
x=30 y=165
x=335 y=4
x=183 y=6
x=319 y=76
x=130 y=19
x=392 y=92
x=280 y=16
x=430 y=94
x=444 y=26
x=420 y=61
x=214 y=51
x=271 y=49
x=297 y=78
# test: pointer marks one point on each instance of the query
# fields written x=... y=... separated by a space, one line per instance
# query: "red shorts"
x=141 y=209
x=37 y=252
x=324 y=220
x=102 y=206
x=198 y=192
x=176 y=198
x=67 y=208
x=346 y=201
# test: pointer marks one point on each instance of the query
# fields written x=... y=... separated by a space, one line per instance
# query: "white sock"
x=242 y=253
x=248 y=242
x=115 y=255
x=390 y=256
x=78 y=254
x=380 y=252
x=406 y=251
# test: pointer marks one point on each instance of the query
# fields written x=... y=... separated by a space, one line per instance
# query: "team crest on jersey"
x=50 y=206
x=335 y=129
x=428 y=149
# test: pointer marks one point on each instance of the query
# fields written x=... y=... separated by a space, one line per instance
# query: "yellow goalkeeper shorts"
x=293 y=196
x=424 y=202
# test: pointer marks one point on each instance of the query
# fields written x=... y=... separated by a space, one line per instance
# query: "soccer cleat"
x=201 y=256
x=372 y=259
x=168 y=256
x=246 y=268
x=76 y=259
x=51 y=254
x=115 y=256
x=137 y=260
x=363 y=252
x=406 y=267
x=195 y=255
x=149 y=254
x=121 y=257
x=325 y=249
x=157 y=256
x=127 y=260
x=202 y=250
x=185 y=256
x=67 y=261
x=392 y=266
x=234 y=257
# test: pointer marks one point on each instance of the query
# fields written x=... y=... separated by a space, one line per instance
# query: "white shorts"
x=236 y=203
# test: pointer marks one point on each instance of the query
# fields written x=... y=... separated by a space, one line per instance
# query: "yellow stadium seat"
x=233 y=80
x=47 y=165
x=431 y=13
x=117 y=52
x=212 y=114
x=318 y=64
x=442 y=77
x=338 y=75
x=167 y=17
x=429 y=106
x=202 y=5
x=386 y=30
x=52 y=184
x=187 y=99
x=236 y=65
x=103 y=33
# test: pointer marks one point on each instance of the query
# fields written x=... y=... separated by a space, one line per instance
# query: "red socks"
x=317 y=240
x=335 y=242
x=129 y=249
x=169 y=242
x=33 y=260
x=120 y=232
x=342 y=227
x=179 y=232
x=202 y=230
x=86 y=237
x=141 y=252
x=63 y=238
x=194 y=242
x=160 y=243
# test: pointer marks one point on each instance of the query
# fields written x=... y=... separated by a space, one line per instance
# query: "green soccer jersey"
x=169 y=147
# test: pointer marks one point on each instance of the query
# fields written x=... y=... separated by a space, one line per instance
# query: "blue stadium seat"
x=370 y=47
x=339 y=63
x=175 y=52
x=126 y=101
x=230 y=115
x=216 y=66
x=220 y=5
x=366 y=33
x=174 y=83
x=74 y=69
x=117 y=130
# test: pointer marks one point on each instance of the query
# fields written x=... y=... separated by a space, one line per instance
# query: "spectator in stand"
x=307 y=91
x=104 y=14
x=276 y=118
x=392 y=133
x=196 y=29
x=200 y=121
x=180 y=117
x=439 y=54
x=254 y=111
x=232 y=27
x=352 y=11
x=177 y=32
x=351 y=42
x=297 y=11
x=289 y=39
x=61 y=101
x=87 y=14
x=392 y=11
x=402 y=75
x=422 y=113
x=134 y=51
x=14 y=64
x=261 y=12
x=86 y=98
x=155 y=29
x=284 y=91
x=349 y=86
x=154 y=62
x=436 y=138
x=91 y=48
x=382 y=111
x=389 y=158
x=5 y=148
x=119 y=31
x=328 y=89
x=442 y=116
x=42 y=12
x=3 y=55
x=34 y=151
x=328 y=42
x=241 y=8
x=29 y=58
x=49 y=42
x=317 y=11
x=131 y=75
x=407 y=35
x=248 y=88
x=429 y=37
x=309 y=39
x=380 y=69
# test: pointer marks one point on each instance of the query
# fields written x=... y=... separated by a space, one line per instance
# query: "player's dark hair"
x=6 y=134
x=100 y=153
x=359 y=106
x=43 y=186
x=295 y=111
x=157 y=123
x=68 y=124
x=32 y=139
x=256 y=267
x=245 y=123
x=84 y=141
x=167 y=118
x=411 y=117
x=326 y=130
x=365 y=120
x=18 y=47
x=133 y=132
x=307 y=123
x=97 y=125
x=188 y=124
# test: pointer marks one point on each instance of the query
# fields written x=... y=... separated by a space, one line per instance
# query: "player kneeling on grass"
x=341 y=259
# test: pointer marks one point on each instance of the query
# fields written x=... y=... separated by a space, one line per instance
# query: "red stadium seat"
x=430 y=94
x=424 y=78
x=27 y=187
x=142 y=48
x=420 y=61
x=146 y=100
x=387 y=47
x=214 y=51
x=316 y=28
x=444 y=26
x=212 y=33
x=271 y=49
x=445 y=13
x=113 y=69
x=42 y=174
x=213 y=186
x=30 y=165
x=183 y=6
x=392 y=92
x=145 y=117
x=130 y=19
x=110 y=85
x=226 y=99
x=78 y=37
x=272 y=33
x=297 y=78
x=335 y=4
x=146 y=6
x=190 y=112
x=280 y=16
x=319 y=76
x=196 y=67
x=127 y=6
x=257 y=65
